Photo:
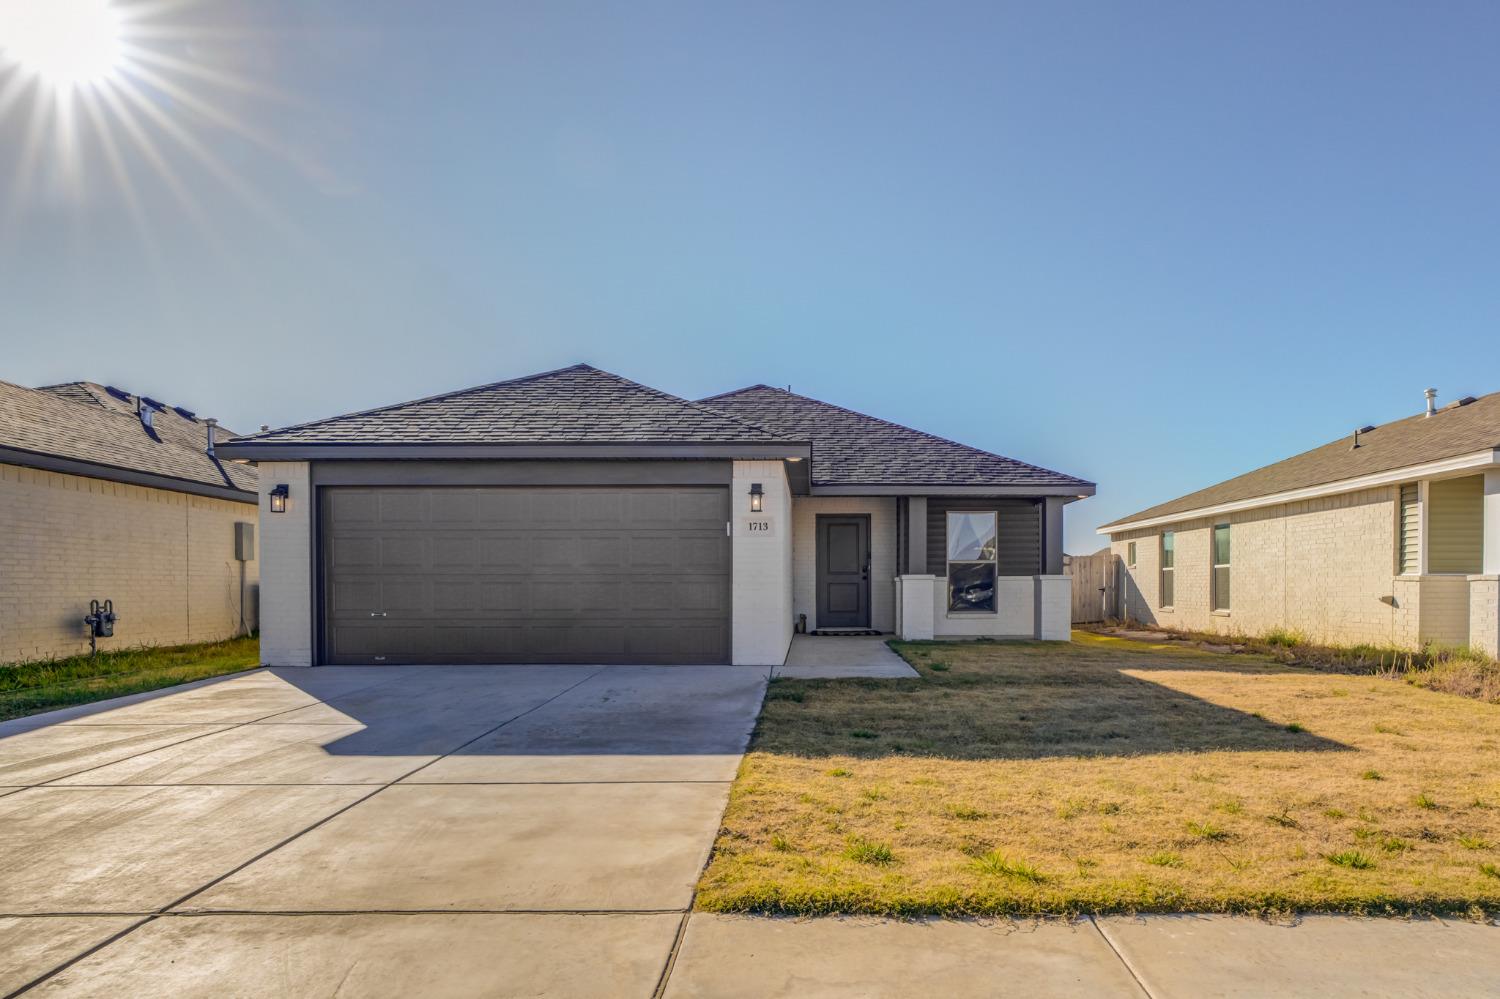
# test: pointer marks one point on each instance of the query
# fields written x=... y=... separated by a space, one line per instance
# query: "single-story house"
x=109 y=496
x=1390 y=535
x=577 y=516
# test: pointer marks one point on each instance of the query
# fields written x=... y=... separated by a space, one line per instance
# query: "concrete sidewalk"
x=832 y=657
x=1163 y=957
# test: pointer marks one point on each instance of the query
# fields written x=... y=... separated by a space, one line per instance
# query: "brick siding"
x=1323 y=566
x=165 y=558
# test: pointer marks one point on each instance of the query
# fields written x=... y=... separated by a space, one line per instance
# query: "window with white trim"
x=972 y=566
x=1168 y=568
x=1221 y=567
x=1130 y=554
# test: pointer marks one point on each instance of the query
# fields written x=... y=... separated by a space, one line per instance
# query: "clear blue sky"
x=1152 y=244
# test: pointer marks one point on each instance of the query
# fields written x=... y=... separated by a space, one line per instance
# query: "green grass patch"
x=1352 y=859
x=33 y=687
x=865 y=851
x=1000 y=865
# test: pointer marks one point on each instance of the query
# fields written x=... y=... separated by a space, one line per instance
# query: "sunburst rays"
x=139 y=99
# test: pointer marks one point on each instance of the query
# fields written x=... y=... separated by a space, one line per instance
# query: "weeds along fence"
x=1095 y=581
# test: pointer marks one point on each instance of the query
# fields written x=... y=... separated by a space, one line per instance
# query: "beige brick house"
x=106 y=495
x=1388 y=535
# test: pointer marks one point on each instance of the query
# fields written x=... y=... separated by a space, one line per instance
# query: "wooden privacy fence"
x=1095 y=580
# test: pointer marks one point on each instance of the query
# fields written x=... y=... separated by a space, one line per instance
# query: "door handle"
x=377 y=613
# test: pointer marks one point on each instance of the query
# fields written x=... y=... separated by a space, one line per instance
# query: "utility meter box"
x=244 y=541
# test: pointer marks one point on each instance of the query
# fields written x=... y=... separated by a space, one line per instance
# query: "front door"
x=844 y=571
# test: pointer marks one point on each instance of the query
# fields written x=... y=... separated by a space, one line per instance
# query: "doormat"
x=846 y=633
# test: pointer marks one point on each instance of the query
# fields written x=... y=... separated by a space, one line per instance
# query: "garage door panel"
x=405 y=597
x=354 y=552
x=601 y=509
x=495 y=575
x=502 y=552
x=403 y=506
x=650 y=551
x=454 y=551
x=454 y=506
x=699 y=511
x=690 y=552
x=501 y=508
x=575 y=596
x=350 y=596
x=403 y=552
x=700 y=595
x=355 y=507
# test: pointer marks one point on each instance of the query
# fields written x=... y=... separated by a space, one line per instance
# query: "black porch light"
x=757 y=495
x=278 y=498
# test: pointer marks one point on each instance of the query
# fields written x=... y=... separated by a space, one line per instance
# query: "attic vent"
x=1460 y=402
x=1362 y=430
x=186 y=414
x=120 y=394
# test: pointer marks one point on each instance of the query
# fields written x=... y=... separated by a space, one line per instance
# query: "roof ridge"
x=739 y=391
x=453 y=393
x=901 y=426
x=695 y=404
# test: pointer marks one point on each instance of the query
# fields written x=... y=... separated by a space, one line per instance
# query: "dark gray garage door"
x=525 y=575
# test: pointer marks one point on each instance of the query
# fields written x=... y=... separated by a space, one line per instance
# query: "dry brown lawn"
x=1111 y=776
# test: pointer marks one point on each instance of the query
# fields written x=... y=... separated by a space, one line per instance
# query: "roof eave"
x=252 y=450
x=128 y=476
x=1440 y=467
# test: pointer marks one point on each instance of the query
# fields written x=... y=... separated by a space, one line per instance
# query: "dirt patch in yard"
x=1109 y=775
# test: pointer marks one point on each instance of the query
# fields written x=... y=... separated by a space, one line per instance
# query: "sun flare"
x=67 y=43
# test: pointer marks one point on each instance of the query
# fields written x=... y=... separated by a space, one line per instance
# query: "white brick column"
x=286 y=625
x=762 y=553
x=1054 y=608
x=915 y=597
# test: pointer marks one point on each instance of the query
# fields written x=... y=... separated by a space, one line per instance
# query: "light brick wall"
x=1324 y=566
x=882 y=513
x=762 y=588
x=1484 y=614
x=286 y=635
x=165 y=558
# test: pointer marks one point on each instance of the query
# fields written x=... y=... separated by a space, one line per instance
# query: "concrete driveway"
x=375 y=831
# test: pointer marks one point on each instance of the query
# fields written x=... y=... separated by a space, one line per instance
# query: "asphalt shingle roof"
x=852 y=448
x=576 y=405
x=1454 y=430
x=82 y=421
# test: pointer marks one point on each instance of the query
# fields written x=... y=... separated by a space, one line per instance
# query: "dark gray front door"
x=843 y=571
x=525 y=574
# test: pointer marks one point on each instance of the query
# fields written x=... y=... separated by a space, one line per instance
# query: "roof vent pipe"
x=210 y=422
x=1431 y=401
x=143 y=412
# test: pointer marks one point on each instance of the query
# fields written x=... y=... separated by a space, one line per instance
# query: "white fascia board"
x=1431 y=469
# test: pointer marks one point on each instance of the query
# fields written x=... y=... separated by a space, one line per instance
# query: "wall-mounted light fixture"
x=278 y=498
x=757 y=496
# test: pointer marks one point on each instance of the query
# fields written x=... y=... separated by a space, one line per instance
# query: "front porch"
x=931 y=566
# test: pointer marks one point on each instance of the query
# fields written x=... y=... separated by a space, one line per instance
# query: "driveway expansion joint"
x=1115 y=949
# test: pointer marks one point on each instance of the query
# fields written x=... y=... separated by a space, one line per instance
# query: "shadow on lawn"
x=992 y=701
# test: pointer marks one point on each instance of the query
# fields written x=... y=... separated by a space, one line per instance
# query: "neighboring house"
x=109 y=496
x=576 y=516
x=1389 y=535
